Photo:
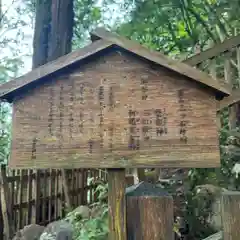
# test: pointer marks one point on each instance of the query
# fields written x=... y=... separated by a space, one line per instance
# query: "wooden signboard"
x=115 y=110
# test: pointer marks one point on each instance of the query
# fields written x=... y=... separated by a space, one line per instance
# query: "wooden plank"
x=168 y=100
x=149 y=206
x=231 y=215
x=86 y=189
x=44 y=202
x=66 y=189
x=78 y=186
x=96 y=177
x=8 y=225
x=110 y=39
x=162 y=60
x=212 y=68
x=20 y=199
x=117 y=204
x=228 y=71
x=25 y=204
x=232 y=121
x=50 y=194
x=74 y=187
x=90 y=176
x=229 y=101
x=29 y=197
x=60 y=200
x=13 y=178
x=36 y=197
x=12 y=191
x=56 y=187
x=225 y=46
x=52 y=67
x=82 y=186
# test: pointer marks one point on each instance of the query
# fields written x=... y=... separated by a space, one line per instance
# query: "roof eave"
x=157 y=57
x=7 y=89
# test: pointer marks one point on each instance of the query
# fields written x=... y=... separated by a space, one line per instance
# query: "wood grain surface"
x=116 y=111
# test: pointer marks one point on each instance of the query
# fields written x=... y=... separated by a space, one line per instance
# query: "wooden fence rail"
x=43 y=196
x=222 y=62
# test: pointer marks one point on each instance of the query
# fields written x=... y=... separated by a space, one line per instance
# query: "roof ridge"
x=103 y=39
x=161 y=59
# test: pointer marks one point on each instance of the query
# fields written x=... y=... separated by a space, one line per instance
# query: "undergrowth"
x=96 y=226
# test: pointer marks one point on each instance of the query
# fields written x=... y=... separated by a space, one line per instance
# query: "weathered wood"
x=231 y=215
x=7 y=220
x=66 y=189
x=31 y=210
x=116 y=112
x=117 y=204
x=36 y=197
x=225 y=46
x=61 y=199
x=82 y=184
x=52 y=67
x=149 y=213
x=50 y=194
x=111 y=39
x=228 y=78
x=230 y=100
x=29 y=196
x=212 y=69
x=43 y=197
x=157 y=57
x=20 y=199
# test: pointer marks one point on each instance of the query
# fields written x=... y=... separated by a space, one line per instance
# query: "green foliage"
x=199 y=208
x=96 y=226
x=12 y=25
x=178 y=27
x=92 y=229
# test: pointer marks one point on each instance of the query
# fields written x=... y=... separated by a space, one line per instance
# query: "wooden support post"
x=7 y=218
x=36 y=197
x=117 y=204
x=66 y=189
x=231 y=215
x=149 y=213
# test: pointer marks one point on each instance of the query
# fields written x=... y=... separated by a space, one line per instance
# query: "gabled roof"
x=103 y=39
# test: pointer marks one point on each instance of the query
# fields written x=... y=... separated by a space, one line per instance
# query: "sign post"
x=117 y=204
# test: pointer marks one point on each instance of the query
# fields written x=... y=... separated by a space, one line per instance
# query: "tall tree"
x=53 y=30
x=41 y=33
x=62 y=19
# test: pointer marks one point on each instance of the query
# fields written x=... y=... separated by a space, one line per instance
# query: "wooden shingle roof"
x=103 y=39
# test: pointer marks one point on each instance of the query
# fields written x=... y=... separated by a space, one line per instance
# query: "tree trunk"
x=53 y=30
x=41 y=33
x=61 y=29
x=52 y=35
